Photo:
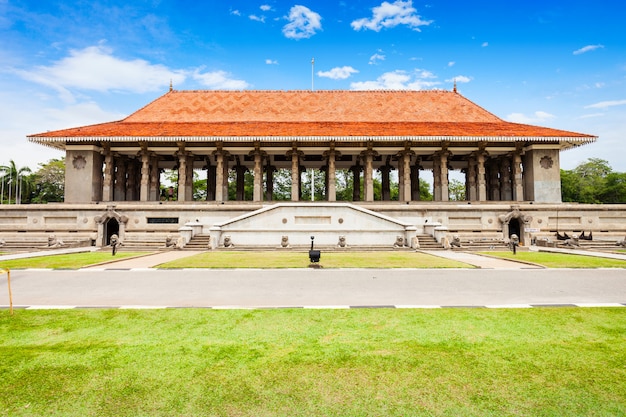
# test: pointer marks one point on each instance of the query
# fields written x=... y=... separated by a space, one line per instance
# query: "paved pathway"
x=146 y=261
x=481 y=261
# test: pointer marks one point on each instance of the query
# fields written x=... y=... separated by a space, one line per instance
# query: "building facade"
x=365 y=132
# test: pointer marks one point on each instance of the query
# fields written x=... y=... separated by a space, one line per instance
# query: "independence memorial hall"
x=113 y=173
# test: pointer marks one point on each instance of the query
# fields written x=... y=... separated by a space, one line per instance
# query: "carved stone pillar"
x=518 y=184
x=144 y=189
x=331 y=181
x=443 y=166
x=506 y=191
x=211 y=179
x=295 y=155
x=385 y=192
x=109 y=172
x=221 y=180
x=240 y=171
x=482 y=183
x=494 y=180
x=258 y=154
x=404 y=175
x=155 y=180
x=269 y=181
x=436 y=178
x=356 y=181
x=368 y=179
x=415 y=181
x=183 y=175
x=472 y=189
x=120 y=179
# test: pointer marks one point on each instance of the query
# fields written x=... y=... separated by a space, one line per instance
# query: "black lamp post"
x=314 y=255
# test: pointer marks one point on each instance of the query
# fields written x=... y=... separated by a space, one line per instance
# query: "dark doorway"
x=111 y=227
x=515 y=228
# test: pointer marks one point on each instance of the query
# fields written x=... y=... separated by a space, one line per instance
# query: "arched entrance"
x=111 y=227
x=515 y=222
x=515 y=228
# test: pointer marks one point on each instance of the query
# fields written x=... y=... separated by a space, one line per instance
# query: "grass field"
x=277 y=259
x=69 y=261
x=560 y=260
x=450 y=362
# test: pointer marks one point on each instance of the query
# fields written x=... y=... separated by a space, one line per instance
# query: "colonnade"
x=137 y=177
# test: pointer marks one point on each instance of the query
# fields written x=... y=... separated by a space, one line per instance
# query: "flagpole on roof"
x=312 y=73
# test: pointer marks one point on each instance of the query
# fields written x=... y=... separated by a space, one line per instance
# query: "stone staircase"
x=198 y=243
x=428 y=242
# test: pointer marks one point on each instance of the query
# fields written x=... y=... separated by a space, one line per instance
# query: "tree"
x=456 y=190
x=49 y=182
x=16 y=184
x=615 y=188
x=594 y=182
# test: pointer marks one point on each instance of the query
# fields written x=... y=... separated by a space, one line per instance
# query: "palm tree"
x=15 y=183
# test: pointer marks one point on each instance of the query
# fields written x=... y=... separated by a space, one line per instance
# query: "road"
x=331 y=288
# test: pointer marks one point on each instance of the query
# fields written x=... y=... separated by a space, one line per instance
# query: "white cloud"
x=235 y=12
x=376 y=57
x=461 y=79
x=265 y=7
x=587 y=48
x=485 y=44
x=257 y=18
x=271 y=62
x=303 y=23
x=451 y=63
x=219 y=80
x=606 y=104
x=537 y=117
x=389 y=15
x=338 y=73
x=399 y=80
x=95 y=68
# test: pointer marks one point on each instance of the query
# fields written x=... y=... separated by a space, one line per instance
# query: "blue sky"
x=549 y=63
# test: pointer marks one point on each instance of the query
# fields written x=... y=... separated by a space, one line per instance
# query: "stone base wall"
x=493 y=220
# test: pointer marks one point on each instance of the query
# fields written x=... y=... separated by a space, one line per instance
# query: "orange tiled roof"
x=344 y=114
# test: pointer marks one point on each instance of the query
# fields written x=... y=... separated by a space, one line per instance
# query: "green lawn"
x=560 y=260
x=69 y=261
x=277 y=259
x=188 y=362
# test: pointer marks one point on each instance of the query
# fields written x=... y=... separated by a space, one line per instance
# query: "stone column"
x=240 y=171
x=368 y=179
x=404 y=173
x=221 y=180
x=257 y=194
x=295 y=173
x=494 y=180
x=182 y=175
x=269 y=181
x=109 y=171
x=436 y=178
x=211 y=174
x=415 y=181
x=155 y=180
x=445 y=192
x=472 y=189
x=144 y=190
x=331 y=180
x=518 y=184
x=506 y=192
x=385 y=184
x=356 y=181
x=482 y=184
x=189 y=181
x=120 y=179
